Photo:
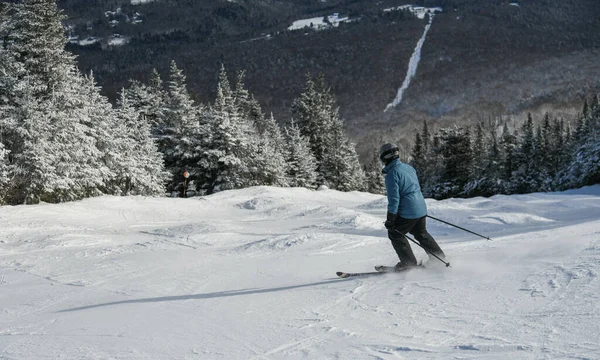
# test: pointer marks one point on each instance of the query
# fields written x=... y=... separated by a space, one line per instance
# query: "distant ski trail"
x=412 y=67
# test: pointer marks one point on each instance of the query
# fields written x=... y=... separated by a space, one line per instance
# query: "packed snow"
x=419 y=11
x=319 y=22
x=250 y=274
x=413 y=65
x=139 y=2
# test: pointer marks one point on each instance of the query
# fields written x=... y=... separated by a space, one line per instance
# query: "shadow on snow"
x=213 y=295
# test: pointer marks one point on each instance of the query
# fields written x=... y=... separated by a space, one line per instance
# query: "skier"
x=407 y=210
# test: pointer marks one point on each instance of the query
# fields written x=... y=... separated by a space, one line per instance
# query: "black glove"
x=391 y=220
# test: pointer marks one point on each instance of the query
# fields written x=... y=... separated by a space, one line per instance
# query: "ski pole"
x=427 y=251
x=456 y=226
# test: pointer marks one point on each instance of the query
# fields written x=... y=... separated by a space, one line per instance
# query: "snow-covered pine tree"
x=318 y=120
x=584 y=168
x=375 y=182
x=248 y=106
x=14 y=91
x=457 y=155
x=419 y=158
x=312 y=118
x=4 y=173
x=481 y=180
x=480 y=155
x=525 y=178
x=33 y=32
x=430 y=162
x=52 y=123
x=581 y=124
x=140 y=170
x=493 y=183
x=549 y=154
x=267 y=162
x=558 y=138
x=541 y=155
x=149 y=101
x=75 y=141
x=426 y=138
x=35 y=176
x=509 y=158
x=100 y=118
x=182 y=137
x=301 y=163
x=343 y=170
x=227 y=157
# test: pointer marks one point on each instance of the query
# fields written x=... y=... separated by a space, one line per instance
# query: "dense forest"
x=481 y=58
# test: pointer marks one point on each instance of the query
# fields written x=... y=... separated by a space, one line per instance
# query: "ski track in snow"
x=250 y=274
x=413 y=65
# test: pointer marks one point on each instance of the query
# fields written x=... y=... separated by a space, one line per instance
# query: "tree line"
x=487 y=160
x=61 y=140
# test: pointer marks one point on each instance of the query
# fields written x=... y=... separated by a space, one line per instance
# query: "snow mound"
x=356 y=221
x=511 y=218
x=379 y=204
x=257 y=204
x=276 y=243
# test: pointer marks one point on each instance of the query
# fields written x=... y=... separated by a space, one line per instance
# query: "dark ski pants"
x=418 y=228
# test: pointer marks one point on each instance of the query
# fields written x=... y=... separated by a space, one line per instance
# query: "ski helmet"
x=388 y=152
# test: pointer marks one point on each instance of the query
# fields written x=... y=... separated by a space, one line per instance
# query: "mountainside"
x=480 y=60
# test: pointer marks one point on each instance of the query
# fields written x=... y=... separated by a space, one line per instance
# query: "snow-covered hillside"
x=250 y=274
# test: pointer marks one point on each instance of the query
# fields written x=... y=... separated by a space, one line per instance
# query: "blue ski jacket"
x=403 y=191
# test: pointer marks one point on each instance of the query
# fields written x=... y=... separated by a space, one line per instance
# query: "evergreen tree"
x=248 y=107
x=312 y=119
x=483 y=180
x=58 y=159
x=480 y=158
x=33 y=164
x=458 y=158
x=181 y=135
x=301 y=163
x=149 y=101
x=32 y=30
x=584 y=167
x=318 y=120
x=560 y=153
x=509 y=157
x=15 y=90
x=426 y=138
x=419 y=158
x=525 y=177
x=53 y=153
x=430 y=160
x=267 y=162
x=493 y=170
x=581 y=127
x=141 y=171
x=100 y=118
x=227 y=159
x=375 y=182
x=4 y=173
x=342 y=168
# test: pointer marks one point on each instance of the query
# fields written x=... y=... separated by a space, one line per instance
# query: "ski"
x=384 y=269
x=344 y=275
x=380 y=271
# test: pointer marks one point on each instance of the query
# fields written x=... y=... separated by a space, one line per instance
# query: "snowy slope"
x=250 y=274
